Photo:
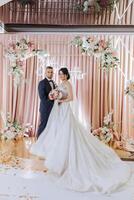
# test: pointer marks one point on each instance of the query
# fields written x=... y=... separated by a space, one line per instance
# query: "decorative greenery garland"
x=26 y=2
x=99 y=5
x=99 y=48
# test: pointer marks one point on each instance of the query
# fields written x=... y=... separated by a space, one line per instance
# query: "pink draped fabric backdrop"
x=98 y=93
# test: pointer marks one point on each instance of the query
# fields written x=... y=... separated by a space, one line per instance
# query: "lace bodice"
x=63 y=89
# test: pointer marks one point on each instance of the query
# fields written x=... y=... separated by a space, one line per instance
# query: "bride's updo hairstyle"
x=65 y=71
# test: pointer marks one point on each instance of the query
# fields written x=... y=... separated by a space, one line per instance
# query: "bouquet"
x=57 y=94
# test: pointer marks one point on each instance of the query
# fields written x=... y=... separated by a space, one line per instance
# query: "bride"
x=75 y=158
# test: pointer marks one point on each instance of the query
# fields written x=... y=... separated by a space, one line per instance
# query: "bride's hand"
x=60 y=101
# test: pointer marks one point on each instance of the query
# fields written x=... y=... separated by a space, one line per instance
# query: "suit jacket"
x=44 y=88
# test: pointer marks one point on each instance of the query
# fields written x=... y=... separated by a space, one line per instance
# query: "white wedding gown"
x=75 y=158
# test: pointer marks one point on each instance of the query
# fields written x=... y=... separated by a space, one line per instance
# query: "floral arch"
x=17 y=53
x=23 y=49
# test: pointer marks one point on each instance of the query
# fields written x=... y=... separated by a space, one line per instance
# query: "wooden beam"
x=70 y=28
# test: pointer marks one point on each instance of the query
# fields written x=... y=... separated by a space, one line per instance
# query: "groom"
x=44 y=88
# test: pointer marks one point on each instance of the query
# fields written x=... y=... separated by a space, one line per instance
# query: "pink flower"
x=20 y=63
x=97 y=132
x=114 y=54
x=90 y=39
x=12 y=46
x=102 y=44
x=103 y=3
x=31 y=45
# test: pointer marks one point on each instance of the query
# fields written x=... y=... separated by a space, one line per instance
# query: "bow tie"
x=50 y=81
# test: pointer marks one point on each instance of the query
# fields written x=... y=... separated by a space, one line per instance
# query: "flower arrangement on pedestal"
x=129 y=142
x=17 y=53
x=107 y=132
x=99 y=5
x=12 y=130
x=100 y=49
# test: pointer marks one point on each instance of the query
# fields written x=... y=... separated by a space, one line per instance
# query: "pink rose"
x=97 y=131
x=20 y=63
x=12 y=46
x=90 y=39
x=31 y=45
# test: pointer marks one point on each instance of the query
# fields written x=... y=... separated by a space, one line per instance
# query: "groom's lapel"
x=54 y=85
x=48 y=84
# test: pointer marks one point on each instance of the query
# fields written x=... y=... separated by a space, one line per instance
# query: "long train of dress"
x=18 y=184
x=75 y=158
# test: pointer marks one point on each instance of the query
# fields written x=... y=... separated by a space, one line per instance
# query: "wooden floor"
x=125 y=155
x=17 y=154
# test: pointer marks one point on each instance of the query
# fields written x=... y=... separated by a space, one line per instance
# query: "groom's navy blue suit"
x=45 y=103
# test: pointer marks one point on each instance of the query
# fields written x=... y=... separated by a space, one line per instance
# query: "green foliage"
x=100 y=5
x=26 y=2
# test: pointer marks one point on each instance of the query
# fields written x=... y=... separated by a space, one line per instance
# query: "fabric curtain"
x=98 y=92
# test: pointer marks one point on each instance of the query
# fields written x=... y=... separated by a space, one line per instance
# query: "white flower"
x=9 y=134
x=12 y=129
x=85 y=44
x=42 y=54
x=98 y=55
x=86 y=4
x=91 y=2
x=108 y=118
x=95 y=47
x=104 y=129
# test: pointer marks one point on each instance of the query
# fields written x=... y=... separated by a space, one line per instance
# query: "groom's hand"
x=53 y=95
x=50 y=96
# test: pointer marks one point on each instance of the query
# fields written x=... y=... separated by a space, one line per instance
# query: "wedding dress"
x=75 y=158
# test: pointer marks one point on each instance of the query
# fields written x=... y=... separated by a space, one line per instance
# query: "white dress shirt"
x=51 y=84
